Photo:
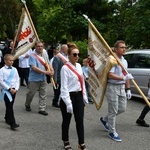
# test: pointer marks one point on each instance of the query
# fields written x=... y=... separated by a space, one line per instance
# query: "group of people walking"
x=70 y=91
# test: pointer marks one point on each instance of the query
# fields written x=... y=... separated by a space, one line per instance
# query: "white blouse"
x=71 y=83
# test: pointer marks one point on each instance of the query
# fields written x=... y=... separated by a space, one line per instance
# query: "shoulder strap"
x=124 y=72
x=79 y=76
x=40 y=60
x=12 y=72
x=62 y=57
x=8 y=81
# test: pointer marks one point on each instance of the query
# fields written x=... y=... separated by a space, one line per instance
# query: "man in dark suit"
x=59 y=60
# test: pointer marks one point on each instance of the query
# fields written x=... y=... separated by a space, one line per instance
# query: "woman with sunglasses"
x=73 y=97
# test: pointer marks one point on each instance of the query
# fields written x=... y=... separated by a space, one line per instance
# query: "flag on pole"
x=100 y=61
x=25 y=36
x=101 y=58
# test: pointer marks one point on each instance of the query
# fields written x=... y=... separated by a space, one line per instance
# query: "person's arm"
x=128 y=84
x=17 y=83
x=85 y=98
x=55 y=66
x=38 y=70
x=2 y=80
x=46 y=58
x=128 y=90
x=64 y=84
x=51 y=69
x=64 y=90
x=17 y=78
x=113 y=76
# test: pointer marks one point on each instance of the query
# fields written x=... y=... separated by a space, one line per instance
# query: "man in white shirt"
x=9 y=81
x=24 y=67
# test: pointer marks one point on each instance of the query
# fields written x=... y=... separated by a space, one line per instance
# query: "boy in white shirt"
x=9 y=80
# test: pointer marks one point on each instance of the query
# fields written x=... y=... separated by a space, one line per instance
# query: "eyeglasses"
x=76 y=54
x=39 y=46
x=123 y=47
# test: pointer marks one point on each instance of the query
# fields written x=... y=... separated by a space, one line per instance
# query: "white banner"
x=99 y=63
x=26 y=38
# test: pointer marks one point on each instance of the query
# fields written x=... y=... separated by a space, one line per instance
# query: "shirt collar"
x=8 y=67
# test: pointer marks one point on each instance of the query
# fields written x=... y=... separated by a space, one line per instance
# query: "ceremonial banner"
x=25 y=36
x=99 y=63
x=101 y=58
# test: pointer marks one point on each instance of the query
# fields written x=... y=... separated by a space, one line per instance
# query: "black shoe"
x=142 y=123
x=22 y=85
x=43 y=113
x=14 y=126
x=91 y=102
x=28 y=108
x=56 y=105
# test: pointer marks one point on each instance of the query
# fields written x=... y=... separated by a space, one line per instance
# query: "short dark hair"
x=37 y=42
x=118 y=42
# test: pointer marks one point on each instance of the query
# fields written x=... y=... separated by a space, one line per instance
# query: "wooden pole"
x=119 y=62
x=18 y=31
x=52 y=80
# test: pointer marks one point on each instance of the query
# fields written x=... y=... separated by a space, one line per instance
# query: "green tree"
x=10 y=12
x=138 y=29
x=64 y=19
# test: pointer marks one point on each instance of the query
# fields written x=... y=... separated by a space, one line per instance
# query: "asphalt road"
x=37 y=132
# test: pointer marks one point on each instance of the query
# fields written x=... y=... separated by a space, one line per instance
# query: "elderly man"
x=59 y=60
x=39 y=63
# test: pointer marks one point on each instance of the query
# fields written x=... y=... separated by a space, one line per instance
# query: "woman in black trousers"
x=73 y=97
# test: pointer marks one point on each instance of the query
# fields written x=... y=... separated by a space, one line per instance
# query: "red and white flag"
x=25 y=36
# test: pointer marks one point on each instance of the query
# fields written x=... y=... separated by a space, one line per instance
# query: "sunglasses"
x=76 y=54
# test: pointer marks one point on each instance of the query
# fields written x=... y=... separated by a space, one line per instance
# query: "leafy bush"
x=82 y=45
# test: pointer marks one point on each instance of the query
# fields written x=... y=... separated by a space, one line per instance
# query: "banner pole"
x=112 y=53
x=23 y=1
x=52 y=80
x=18 y=31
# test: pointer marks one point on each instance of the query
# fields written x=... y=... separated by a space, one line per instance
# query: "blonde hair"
x=7 y=56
